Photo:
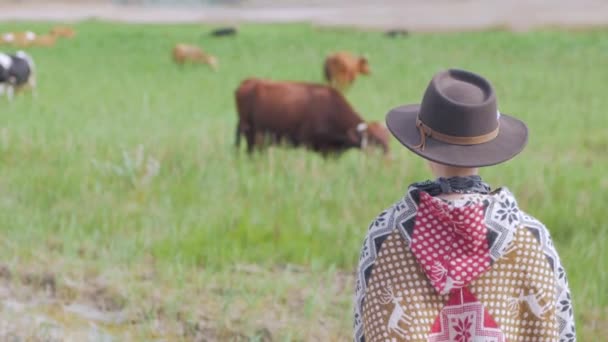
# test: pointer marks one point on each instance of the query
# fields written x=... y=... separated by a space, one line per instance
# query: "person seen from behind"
x=454 y=259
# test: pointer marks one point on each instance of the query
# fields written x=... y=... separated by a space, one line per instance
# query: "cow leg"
x=250 y=136
x=294 y=142
x=277 y=139
x=237 y=140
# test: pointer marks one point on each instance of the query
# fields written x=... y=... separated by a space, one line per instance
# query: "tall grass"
x=125 y=153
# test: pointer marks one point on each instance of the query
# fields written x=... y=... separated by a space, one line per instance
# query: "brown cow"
x=183 y=53
x=341 y=69
x=312 y=115
x=378 y=135
x=63 y=31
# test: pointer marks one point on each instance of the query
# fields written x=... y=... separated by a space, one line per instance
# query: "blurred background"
x=432 y=15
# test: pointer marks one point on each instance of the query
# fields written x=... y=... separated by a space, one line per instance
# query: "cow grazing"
x=63 y=31
x=183 y=53
x=224 y=31
x=19 y=39
x=303 y=114
x=396 y=33
x=341 y=69
x=17 y=72
x=378 y=135
x=45 y=40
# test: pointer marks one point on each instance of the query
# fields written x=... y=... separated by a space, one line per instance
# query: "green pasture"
x=124 y=159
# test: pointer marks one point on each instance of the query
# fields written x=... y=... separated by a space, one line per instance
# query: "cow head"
x=364 y=66
x=23 y=55
x=31 y=81
x=378 y=136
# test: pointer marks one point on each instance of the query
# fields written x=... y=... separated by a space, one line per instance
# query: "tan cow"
x=63 y=31
x=341 y=69
x=183 y=53
x=45 y=40
x=18 y=39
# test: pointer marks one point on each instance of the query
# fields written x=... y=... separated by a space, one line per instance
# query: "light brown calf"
x=18 y=39
x=183 y=53
x=341 y=69
x=46 y=40
x=63 y=31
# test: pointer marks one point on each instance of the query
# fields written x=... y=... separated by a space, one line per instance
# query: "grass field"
x=120 y=187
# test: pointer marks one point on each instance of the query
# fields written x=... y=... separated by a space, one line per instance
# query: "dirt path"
x=413 y=15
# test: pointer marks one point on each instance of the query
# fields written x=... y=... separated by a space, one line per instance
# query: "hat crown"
x=459 y=103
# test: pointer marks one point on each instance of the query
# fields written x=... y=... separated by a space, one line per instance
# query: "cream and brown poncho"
x=472 y=269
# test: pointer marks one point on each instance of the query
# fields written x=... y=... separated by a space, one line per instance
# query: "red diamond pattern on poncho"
x=464 y=319
x=450 y=243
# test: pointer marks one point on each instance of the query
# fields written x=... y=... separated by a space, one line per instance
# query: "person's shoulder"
x=531 y=222
x=400 y=210
x=509 y=207
x=506 y=215
x=383 y=220
x=536 y=227
x=540 y=232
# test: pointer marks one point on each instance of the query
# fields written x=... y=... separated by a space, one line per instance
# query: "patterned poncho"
x=472 y=269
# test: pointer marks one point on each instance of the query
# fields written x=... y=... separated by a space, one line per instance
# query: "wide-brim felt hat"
x=458 y=123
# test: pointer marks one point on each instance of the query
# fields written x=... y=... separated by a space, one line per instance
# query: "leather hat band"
x=426 y=131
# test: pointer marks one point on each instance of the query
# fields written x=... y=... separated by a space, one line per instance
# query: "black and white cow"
x=16 y=72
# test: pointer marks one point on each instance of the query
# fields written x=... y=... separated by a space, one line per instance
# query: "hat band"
x=426 y=131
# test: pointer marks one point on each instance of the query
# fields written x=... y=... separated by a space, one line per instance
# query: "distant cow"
x=224 y=31
x=183 y=53
x=395 y=33
x=303 y=114
x=63 y=31
x=17 y=72
x=19 y=39
x=46 y=40
x=378 y=135
x=341 y=69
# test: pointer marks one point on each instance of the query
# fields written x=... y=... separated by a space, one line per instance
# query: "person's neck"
x=445 y=171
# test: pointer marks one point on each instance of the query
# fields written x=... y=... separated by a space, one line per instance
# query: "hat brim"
x=511 y=139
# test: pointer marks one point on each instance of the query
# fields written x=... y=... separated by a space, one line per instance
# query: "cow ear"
x=363 y=65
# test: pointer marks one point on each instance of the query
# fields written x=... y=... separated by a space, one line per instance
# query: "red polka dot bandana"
x=450 y=243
